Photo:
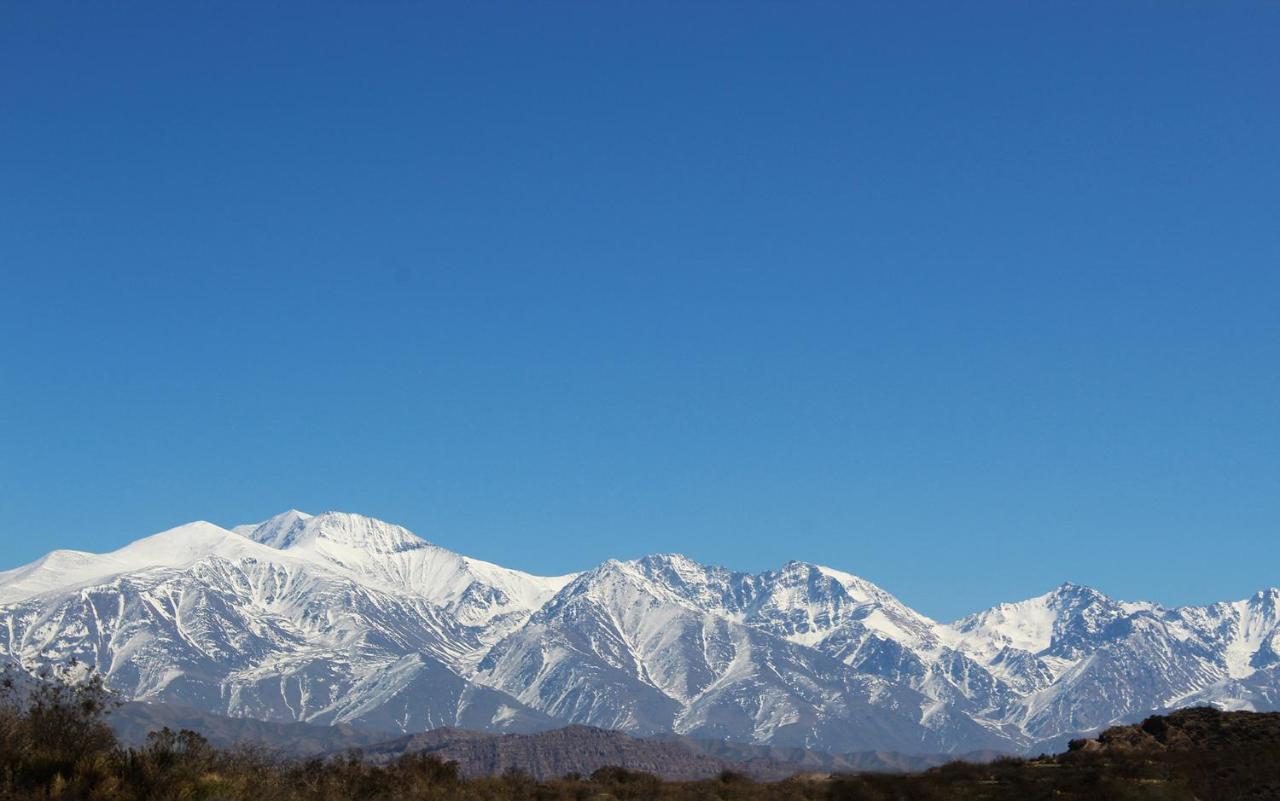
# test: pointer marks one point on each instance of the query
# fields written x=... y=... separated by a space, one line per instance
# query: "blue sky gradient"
x=968 y=299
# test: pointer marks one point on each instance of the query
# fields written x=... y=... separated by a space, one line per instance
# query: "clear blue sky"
x=968 y=299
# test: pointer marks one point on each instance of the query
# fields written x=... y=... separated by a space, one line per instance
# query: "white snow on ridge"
x=273 y=531
x=396 y=560
x=1025 y=625
x=888 y=615
x=529 y=590
x=175 y=547
x=1256 y=623
x=53 y=571
x=389 y=557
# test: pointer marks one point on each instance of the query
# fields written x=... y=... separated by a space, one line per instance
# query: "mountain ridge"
x=481 y=752
x=343 y=618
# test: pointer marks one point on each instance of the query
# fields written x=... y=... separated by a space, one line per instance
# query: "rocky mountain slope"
x=584 y=750
x=133 y=721
x=339 y=618
x=552 y=754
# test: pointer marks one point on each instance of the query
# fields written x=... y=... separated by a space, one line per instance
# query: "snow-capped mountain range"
x=343 y=618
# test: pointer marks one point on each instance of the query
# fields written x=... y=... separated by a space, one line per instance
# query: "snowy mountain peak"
x=394 y=559
x=332 y=531
x=685 y=577
x=61 y=570
x=175 y=546
x=1023 y=625
x=1266 y=599
x=275 y=532
x=672 y=561
x=1069 y=591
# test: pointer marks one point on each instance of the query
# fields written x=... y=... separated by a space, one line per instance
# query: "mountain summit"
x=338 y=617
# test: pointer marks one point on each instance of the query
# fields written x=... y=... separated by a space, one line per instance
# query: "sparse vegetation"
x=55 y=744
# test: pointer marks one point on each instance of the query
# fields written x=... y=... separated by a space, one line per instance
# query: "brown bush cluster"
x=55 y=744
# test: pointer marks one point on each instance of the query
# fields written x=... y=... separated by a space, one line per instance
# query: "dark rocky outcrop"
x=1194 y=729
